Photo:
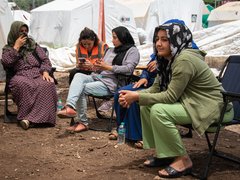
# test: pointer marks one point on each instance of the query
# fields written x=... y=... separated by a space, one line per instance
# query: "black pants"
x=76 y=70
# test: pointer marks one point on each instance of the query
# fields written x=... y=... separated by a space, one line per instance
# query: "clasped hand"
x=126 y=98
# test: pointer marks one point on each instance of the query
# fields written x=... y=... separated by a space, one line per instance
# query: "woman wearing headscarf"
x=123 y=58
x=185 y=91
x=131 y=116
x=32 y=88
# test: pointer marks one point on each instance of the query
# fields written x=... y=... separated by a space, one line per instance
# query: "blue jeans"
x=81 y=86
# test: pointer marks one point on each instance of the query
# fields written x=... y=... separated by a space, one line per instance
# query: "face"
x=88 y=44
x=23 y=30
x=163 y=45
x=115 y=40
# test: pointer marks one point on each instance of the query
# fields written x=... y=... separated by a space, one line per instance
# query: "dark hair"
x=87 y=33
x=124 y=35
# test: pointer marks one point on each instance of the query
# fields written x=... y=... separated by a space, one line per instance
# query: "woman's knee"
x=78 y=76
x=158 y=113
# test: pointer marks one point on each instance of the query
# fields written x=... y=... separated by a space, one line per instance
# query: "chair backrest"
x=230 y=79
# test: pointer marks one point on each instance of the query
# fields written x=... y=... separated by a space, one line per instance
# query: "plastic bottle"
x=59 y=105
x=121 y=134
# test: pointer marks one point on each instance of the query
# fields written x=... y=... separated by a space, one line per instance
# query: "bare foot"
x=181 y=163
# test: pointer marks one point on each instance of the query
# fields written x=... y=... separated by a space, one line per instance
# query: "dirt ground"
x=51 y=153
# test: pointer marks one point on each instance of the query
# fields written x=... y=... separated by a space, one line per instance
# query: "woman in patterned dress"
x=32 y=88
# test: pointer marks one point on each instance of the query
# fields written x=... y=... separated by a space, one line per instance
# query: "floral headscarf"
x=14 y=34
x=180 y=37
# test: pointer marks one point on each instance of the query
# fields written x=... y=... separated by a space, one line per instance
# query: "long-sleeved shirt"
x=194 y=85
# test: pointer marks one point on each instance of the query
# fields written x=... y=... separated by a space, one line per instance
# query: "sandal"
x=138 y=144
x=67 y=112
x=113 y=135
x=80 y=127
x=158 y=162
x=173 y=173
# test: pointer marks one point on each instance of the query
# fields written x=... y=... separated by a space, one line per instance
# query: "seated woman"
x=88 y=50
x=123 y=58
x=32 y=88
x=131 y=116
x=185 y=91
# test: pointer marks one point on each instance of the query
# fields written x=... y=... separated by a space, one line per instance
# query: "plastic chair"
x=229 y=77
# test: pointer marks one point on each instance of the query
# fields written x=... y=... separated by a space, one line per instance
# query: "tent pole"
x=101 y=22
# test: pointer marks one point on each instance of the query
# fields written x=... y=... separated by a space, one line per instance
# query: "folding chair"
x=121 y=78
x=11 y=117
x=229 y=77
x=8 y=115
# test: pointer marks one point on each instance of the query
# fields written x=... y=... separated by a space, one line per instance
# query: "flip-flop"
x=138 y=144
x=173 y=173
x=158 y=162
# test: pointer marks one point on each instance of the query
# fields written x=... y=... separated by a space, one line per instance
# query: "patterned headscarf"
x=180 y=37
x=14 y=34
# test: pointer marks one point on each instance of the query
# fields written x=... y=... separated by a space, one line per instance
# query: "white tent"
x=59 y=23
x=139 y=9
x=6 y=20
x=225 y=13
x=161 y=10
x=21 y=15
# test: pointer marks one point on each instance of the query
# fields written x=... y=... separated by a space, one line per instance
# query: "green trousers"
x=159 y=128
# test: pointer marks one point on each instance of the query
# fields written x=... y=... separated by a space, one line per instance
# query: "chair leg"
x=72 y=122
x=208 y=142
x=9 y=117
x=96 y=109
x=100 y=116
x=111 y=119
x=213 y=151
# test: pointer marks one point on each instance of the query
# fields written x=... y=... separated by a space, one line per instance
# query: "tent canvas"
x=21 y=15
x=6 y=20
x=225 y=13
x=59 y=23
x=161 y=10
x=139 y=9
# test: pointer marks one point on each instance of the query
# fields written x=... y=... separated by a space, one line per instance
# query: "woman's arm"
x=9 y=57
x=129 y=62
x=182 y=74
x=45 y=64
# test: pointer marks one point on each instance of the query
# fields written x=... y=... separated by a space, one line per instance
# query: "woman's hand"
x=126 y=98
x=152 y=66
x=47 y=77
x=141 y=82
x=101 y=65
x=86 y=64
x=21 y=40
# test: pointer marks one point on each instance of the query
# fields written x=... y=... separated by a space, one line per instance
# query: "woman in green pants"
x=185 y=91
